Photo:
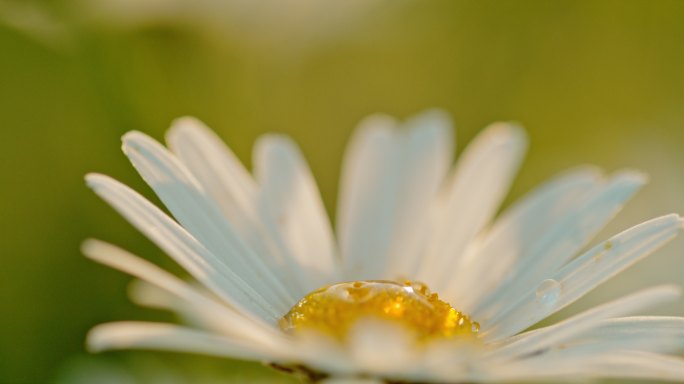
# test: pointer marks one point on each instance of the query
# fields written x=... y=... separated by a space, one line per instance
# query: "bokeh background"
x=598 y=82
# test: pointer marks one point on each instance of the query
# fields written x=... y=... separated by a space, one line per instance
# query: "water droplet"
x=421 y=288
x=548 y=292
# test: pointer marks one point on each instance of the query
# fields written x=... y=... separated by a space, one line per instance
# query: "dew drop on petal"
x=548 y=292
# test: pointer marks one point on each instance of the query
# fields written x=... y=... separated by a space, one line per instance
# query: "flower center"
x=334 y=310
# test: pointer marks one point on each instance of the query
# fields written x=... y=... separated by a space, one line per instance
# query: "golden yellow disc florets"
x=334 y=310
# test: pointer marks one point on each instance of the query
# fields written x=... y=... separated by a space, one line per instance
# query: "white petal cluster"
x=256 y=243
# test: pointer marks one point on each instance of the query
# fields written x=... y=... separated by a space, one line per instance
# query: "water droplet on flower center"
x=334 y=309
x=548 y=292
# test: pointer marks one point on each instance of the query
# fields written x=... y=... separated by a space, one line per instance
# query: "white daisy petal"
x=225 y=179
x=148 y=295
x=636 y=365
x=324 y=354
x=512 y=235
x=205 y=318
x=622 y=328
x=365 y=211
x=650 y=334
x=562 y=240
x=597 y=348
x=197 y=212
x=381 y=347
x=618 y=365
x=231 y=321
x=290 y=195
x=583 y=274
x=453 y=361
x=215 y=166
x=159 y=336
x=549 y=336
x=187 y=251
x=389 y=179
x=636 y=328
x=472 y=196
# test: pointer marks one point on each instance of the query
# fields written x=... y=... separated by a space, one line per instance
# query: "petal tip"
x=133 y=136
x=508 y=132
x=95 y=180
x=268 y=139
x=434 y=116
x=378 y=121
x=92 y=177
x=681 y=222
x=185 y=125
x=186 y=121
x=633 y=175
x=138 y=141
x=90 y=246
x=93 y=342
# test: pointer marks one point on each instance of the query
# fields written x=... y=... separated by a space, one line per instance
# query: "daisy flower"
x=419 y=281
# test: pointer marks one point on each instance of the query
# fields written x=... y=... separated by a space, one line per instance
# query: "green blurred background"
x=598 y=82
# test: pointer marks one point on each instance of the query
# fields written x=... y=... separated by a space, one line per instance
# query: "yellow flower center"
x=334 y=310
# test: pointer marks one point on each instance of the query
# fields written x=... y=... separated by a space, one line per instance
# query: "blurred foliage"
x=164 y=368
x=593 y=82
